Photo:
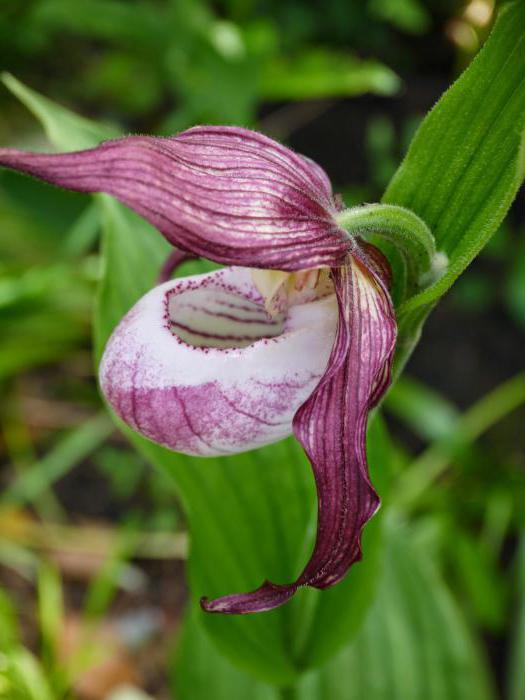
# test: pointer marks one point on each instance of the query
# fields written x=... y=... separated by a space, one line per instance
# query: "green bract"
x=466 y=162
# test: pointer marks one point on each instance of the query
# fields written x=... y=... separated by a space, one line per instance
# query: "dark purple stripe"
x=217 y=314
x=250 y=415
x=230 y=305
x=217 y=336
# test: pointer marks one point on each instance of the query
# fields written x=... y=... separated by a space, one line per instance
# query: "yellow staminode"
x=282 y=289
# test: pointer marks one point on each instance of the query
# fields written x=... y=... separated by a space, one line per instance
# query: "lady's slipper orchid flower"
x=231 y=360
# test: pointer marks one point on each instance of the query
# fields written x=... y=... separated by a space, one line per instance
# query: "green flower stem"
x=406 y=232
x=409 y=328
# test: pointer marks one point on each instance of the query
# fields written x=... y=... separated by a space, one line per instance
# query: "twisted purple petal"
x=331 y=426
x=225 y=193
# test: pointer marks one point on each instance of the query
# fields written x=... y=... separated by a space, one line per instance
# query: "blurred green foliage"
x=168 y=64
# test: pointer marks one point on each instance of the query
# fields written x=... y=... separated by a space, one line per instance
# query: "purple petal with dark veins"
x=228 y=194
x=331 y=426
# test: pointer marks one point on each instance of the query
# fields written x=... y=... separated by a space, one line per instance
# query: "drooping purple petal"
x=225 y=193
x=331 y=426
x=198 y=365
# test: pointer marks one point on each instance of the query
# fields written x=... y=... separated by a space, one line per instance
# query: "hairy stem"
x=406 y=232
x=421 y=267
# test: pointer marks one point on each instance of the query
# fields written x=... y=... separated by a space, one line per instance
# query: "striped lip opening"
x=210 y=317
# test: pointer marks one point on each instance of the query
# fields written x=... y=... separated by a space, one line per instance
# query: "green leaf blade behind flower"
x=317 y=74
x=414 y=644
x=65 y=130
x=228 y=501
x=516 y=678
x=467 y=160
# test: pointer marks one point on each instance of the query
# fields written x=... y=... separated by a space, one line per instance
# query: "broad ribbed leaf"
x=414 y=644
x=467 y=160
x=517 y=667
x=322 y=74
x=197 y=667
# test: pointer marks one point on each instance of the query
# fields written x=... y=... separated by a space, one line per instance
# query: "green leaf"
x=482 y=415
x=467 y=161
x=253 y=516
x=132 y=255
x=483 y=583
x=50 y=613
x=414 y=644
x=9 y=628
x=63 y=456
x=407 y=15
x=517 y=668
x=67 y=131
x=198 y=667
x=82 y=235
x=44 y=311
x=321 y=73
x=26 y=677
x=430 y=415
x=110 y=20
